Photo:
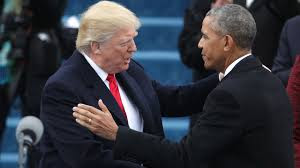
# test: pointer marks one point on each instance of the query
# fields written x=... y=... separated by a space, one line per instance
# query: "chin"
x=125 y=67
x=207 y=67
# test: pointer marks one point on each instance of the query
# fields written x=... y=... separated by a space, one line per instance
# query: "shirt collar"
x=231 y=66
x=100 y=72
x=249 y=3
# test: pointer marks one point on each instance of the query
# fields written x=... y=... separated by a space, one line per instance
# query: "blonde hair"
x=101 y=21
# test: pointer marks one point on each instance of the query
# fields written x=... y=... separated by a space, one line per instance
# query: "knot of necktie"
x=111 y=77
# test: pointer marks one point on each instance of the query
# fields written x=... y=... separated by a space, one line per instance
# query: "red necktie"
x=115 y=91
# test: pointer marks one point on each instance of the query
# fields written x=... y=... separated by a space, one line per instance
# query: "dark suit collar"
x=99 y=90
x=246 y=64
x=96 y=87
x=136 y=95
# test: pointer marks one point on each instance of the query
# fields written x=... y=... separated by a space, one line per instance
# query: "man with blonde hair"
x=105 y=45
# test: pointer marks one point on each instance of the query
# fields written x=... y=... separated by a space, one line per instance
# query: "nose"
x=132 y=47
x=200 y=43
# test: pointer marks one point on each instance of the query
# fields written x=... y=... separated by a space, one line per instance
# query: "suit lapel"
x=100 y=91
x=135 y=94
x=97 y=88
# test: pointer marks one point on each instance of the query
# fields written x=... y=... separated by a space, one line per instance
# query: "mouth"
x=127 y=61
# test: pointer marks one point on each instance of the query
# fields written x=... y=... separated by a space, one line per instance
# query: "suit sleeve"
x=219 y=126
x=184 y=100
x=283 y=61
x=76 y=146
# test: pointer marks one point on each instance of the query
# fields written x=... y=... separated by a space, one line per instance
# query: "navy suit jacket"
x=246 y=123
x=67 y=144
x=289 y=48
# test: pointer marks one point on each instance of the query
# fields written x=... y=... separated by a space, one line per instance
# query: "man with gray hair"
x=241 y=125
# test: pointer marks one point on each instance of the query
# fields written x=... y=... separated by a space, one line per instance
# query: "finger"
x=82 y=117
x=83 y=112
x=103 y=106
x=84 y=124
x=88 y=108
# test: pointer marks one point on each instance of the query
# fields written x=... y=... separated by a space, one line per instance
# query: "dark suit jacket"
x=289 y=47
x=67 y=144
x=246 y=123
x=270 y=16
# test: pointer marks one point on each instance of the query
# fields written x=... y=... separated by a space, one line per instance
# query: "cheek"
x=207 y=46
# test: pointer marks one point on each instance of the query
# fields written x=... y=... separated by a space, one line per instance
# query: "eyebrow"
x=125 y=41
x=128 y=38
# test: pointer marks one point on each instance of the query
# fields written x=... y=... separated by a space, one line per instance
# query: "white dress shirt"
x=232 y=65
x=135 y=119
x=249 y=3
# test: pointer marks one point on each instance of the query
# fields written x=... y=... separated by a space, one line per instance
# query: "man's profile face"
x=212 y=45
x=117 y=51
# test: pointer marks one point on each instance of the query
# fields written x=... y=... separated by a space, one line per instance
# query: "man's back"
x=259 y=122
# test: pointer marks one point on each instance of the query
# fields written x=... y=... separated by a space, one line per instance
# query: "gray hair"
x=101 y=21
x=235 y=21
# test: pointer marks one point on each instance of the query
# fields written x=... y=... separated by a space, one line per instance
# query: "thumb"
x=102 y=106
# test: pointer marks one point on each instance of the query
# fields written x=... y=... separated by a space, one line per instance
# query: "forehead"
x=206 y=24
x=125 y=33
x=208 y=27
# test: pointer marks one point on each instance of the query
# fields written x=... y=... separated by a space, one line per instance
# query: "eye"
x=204 y=37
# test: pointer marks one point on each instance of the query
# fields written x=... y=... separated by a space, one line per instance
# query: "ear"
x=228 y=43
x=95 y=47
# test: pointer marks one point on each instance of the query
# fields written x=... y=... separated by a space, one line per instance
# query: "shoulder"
x=294 y=20
x=292 y=24
x=252 y=84
x=68 y=75
x=62 y=79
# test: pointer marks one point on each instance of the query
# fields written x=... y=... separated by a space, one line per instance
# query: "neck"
x=234 y=56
